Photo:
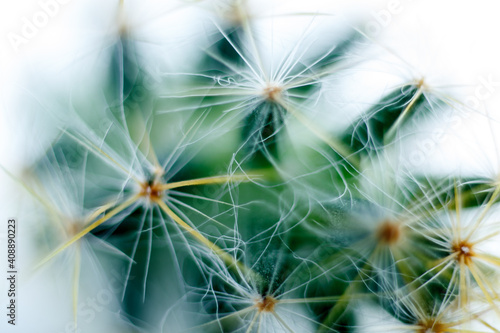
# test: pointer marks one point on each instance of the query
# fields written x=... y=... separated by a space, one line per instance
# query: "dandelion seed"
x=59 y=189
x=458 y=237
x=263 y=96
x=143 y=184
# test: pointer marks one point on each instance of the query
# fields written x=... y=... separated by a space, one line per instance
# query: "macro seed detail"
x=151 y=190
x=464 y=251
x=266 y=304
x=389 y=232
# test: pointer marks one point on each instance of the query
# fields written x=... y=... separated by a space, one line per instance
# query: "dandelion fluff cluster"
x=240 y=166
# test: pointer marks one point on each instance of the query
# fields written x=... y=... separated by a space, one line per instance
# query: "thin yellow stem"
x=89 y=228
x=485 y=238
x=488 y=258
x=227 y=258
x=445 y=259
x=468 y=319
x=416 y=328
x=487 y=325
x=99 y=211
x=402 y=116
x=53 y=211
x=485 y=280
x=461 y=330
x=76 y=282
x=463 y=283
x=480 y=283
x=485 y=211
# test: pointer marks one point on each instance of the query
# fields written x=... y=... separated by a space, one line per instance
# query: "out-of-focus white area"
x=453 y=45
x=448 y=43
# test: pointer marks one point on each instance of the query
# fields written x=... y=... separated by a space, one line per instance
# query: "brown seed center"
x=266 y=304
x=151 y=190
x=272 y=93
x=72 y=228
x=464 y=251
x=432 y=327
x=389 y=232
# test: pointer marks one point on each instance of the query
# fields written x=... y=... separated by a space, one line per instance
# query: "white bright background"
x=450 y=42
